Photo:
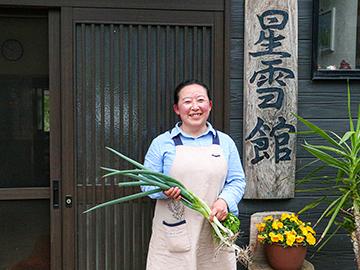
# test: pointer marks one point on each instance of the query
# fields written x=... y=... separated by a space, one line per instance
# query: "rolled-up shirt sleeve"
x=234 y=186
x=154 y=161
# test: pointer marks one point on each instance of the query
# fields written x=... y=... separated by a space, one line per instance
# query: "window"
x=336 y=39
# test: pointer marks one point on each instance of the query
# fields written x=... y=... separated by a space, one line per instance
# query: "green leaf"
x=356 y=149
x=343 y=144
x=346 y=136
x=327 y=239
x=130 y=173
x=322 y=179
x=187 y=203
x=161 y=180
x=164 y=177
x=331 y=205
x=124 y=199
x=330 y=149
x=316 y=189
x=357 y=136
x=349 y=224
x=133 y=184
x=334 y=215
x=349 y=106
x=339 y=176
x=137 y=164
x=162 y=185
x=306 y=132
x=312 y=205
x=318 y=130
x=109 y=169
x=357 y=169
x=328 y=159
x=313 y=171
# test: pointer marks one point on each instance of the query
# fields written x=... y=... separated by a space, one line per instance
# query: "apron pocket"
x=177 y=236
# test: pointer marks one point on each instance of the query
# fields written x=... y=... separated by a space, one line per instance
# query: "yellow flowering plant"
x=288 y=231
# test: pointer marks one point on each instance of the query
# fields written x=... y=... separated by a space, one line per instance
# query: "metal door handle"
x=55 y=189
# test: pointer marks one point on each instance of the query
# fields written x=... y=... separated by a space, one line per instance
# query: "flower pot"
x=285 y=258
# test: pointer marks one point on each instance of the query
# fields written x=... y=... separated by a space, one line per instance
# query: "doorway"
x=26 y=126
x=121 y=67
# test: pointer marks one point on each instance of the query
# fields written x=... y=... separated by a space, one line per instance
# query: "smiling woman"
x=207 y=162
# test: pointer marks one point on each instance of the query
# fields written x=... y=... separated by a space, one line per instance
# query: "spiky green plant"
x=341 y=153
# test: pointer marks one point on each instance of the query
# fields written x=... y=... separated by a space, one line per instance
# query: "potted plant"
x=343 y=154
x=285 y=240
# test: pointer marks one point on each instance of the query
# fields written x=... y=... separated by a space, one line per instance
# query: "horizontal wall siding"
x=324 y=103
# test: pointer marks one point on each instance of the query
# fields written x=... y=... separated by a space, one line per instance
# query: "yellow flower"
x=303 y=229
x=310 y=229
x=292 y=232
x=290 y=239
x=286 y=229
x=267 y=218
x=262 y=237
x=260 y=227
x=276 y=237
x=285 y=216
x=299 y=239
x=277 y=225
x=295 y=219
x=310 y=239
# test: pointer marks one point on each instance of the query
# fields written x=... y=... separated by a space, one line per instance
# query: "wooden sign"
x=270 y=98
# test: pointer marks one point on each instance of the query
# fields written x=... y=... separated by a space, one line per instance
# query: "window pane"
x=24 y=124
x=338 y=45
x=24 y=140
x=26 y=245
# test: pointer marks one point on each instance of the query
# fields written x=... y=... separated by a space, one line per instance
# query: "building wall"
x=323 y=102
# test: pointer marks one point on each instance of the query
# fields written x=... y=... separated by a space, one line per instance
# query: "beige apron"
x=181 y=238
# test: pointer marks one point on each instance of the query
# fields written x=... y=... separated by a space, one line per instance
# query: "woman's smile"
x=195 y=115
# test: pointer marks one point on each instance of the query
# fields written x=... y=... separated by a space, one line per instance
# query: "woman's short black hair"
x=186 y=83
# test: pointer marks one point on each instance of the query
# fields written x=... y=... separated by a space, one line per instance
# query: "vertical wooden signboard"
x=270 y=97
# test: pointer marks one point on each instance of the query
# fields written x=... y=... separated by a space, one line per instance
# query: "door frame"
x=69 y=17
x=56 y=184
x=54 y=189
x=68 y=139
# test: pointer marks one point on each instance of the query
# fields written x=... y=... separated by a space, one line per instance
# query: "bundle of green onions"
x=226 y=232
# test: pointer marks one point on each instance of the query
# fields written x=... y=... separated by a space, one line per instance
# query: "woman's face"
x=193 y=106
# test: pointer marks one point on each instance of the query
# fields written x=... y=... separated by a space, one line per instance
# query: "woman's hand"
x=173 y=193
x=219 y=210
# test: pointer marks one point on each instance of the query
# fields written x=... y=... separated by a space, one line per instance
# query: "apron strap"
x=216 y=138
x=177 y=140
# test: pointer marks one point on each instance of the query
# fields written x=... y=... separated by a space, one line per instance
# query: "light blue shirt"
x=161 y=155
